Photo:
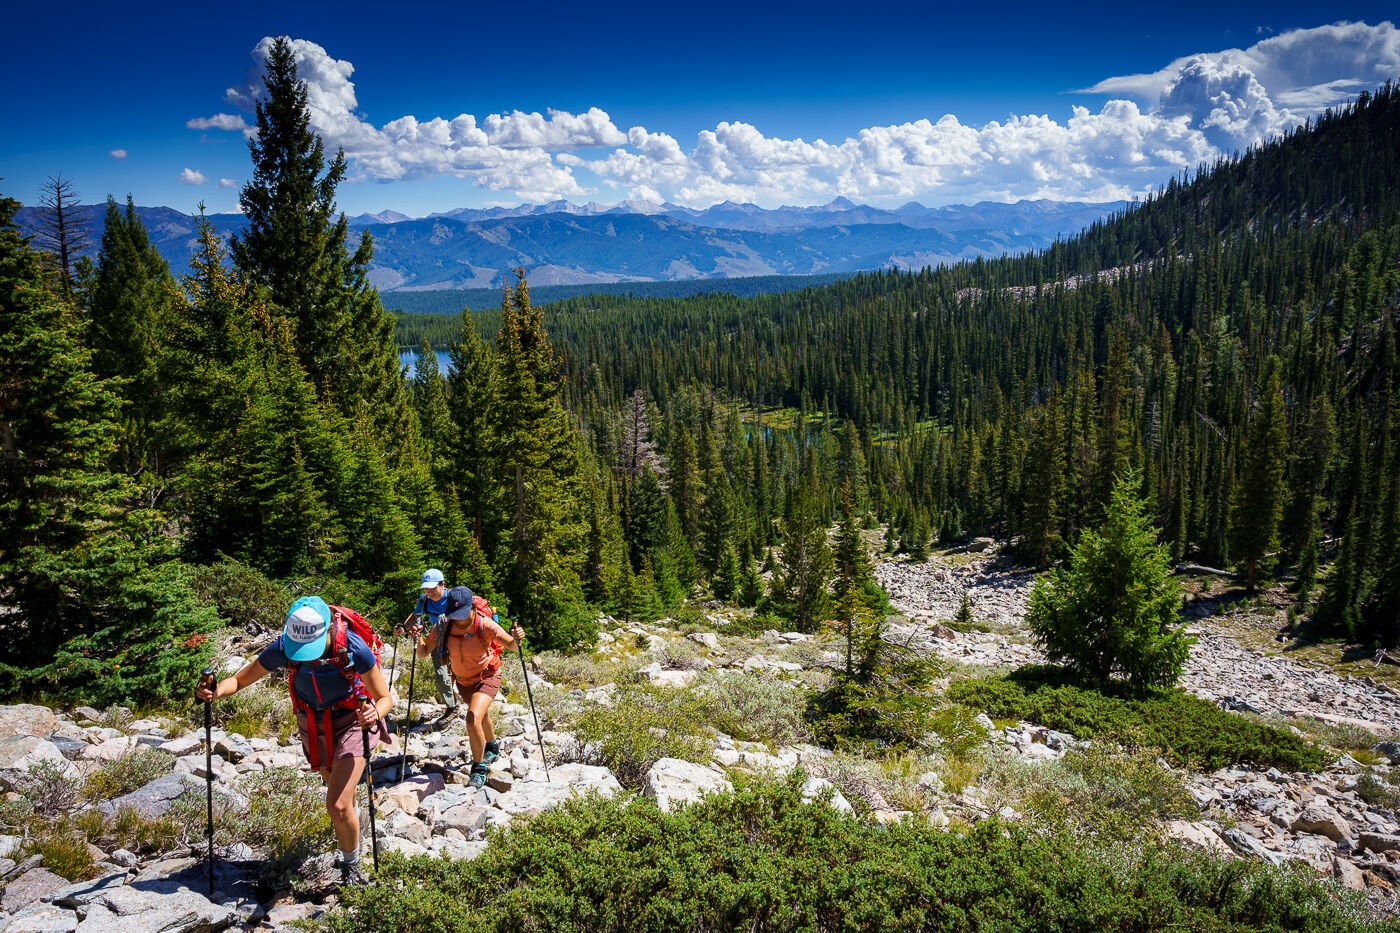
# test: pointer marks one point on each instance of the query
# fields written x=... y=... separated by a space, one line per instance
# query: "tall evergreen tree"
x=543 y=548
x=1259 y=495
x=92 y=601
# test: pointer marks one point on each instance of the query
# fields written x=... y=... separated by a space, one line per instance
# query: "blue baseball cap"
x=431 y=578
x=459 y=603
x=307 y=629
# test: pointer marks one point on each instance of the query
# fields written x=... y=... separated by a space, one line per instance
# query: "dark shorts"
x=346 y=741
x=489 y=684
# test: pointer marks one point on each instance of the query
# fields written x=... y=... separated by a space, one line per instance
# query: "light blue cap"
x=307 y=629
x=431 y=578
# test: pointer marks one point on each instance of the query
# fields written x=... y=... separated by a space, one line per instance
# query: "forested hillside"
x=1233 y=339
x=180 y=438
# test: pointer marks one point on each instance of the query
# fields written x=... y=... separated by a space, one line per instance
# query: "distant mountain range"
x=560 y=243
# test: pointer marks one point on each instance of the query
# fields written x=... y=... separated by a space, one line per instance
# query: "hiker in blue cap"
x=432 y=605
x=338 y=691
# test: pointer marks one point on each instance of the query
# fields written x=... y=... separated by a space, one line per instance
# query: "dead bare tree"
x=62 y=231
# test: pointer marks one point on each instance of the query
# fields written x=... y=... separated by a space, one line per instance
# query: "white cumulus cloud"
x=191 y=176
x=219 y=121
x=227 y=183
x=118 y=154
x=1152 y=125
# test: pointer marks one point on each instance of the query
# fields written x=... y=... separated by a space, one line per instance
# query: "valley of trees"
x=1231 y=343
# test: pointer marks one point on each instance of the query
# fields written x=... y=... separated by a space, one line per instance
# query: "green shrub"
x=48 y=788
x=135 y=769
x=1091 y=792
x=580 y=669
x=63 y=848
x=260 y=711
x=644 y=724
x=15 y=814
x=1377 y=791
x=286 y=816
x=136 y=833
x=243 y=596
x=761 y=859
x=1187 y=729
x=755 y=708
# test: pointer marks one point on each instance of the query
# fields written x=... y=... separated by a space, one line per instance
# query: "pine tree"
x=63 y=231
x=800 y=591
x=543 y=548
x=133 y=305
x=295 y=247
x=1112 y=610
x=1045 y=490
x=1259 y=495
x=92 y=611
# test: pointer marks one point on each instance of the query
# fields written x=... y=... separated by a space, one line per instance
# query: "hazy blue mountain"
x=573 y=244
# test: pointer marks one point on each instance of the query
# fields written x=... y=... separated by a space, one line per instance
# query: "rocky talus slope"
x=1322 y=820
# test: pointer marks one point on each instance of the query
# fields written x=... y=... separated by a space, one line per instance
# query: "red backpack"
x=343 y=620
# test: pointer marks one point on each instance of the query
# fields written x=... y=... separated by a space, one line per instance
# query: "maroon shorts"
x=346 y=739
x=489 y=684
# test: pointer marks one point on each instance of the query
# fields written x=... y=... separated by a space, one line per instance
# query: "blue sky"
x=774 y=103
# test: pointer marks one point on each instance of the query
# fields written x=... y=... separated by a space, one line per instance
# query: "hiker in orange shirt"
x=475 y=640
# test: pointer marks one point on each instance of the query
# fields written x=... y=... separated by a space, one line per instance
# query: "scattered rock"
x=27 y=719
x=815 y=788
x=1319 y=818
x=22 y=752
x=42 y=918
x=708 y=639
x=1197 y=835
x=133 y=910
x=672 y=782
x=1379 y=842
x=29 y=888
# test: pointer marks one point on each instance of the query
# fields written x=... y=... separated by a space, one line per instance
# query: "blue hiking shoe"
x=493 y=751
x=478 y=775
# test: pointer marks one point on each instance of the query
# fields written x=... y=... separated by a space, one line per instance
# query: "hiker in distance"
x=474 y=642
x=432 y=603
x=339 y=694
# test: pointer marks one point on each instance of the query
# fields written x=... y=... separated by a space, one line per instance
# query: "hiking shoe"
x=478 y=775
x=350 y=873
x=444 y=720
x=493 y=751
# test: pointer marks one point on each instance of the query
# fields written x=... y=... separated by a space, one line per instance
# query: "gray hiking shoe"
x=350 y=873
x=478 y=775
x=443 y=721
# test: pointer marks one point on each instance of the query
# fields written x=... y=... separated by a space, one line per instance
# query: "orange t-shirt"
x=470 y=653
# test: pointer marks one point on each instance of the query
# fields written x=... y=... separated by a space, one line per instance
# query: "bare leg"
x=340 y=780
x=479 y=729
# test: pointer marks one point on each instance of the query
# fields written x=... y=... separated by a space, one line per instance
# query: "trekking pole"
x=207 y=679
x=408 y=719
x=531 y=694
x=369 y=793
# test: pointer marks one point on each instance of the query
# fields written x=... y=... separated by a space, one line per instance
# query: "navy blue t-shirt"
x=320 y=684
x=432 y=608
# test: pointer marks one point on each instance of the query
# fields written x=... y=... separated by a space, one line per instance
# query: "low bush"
x=136 y=833
x=580 y=669
x=755 y=708
x=242 y=595
x=1187 y=729
x=1377 y=791
x=263 y=710
x=643 y=725
x=1090 y=792
x=135 y=769
x=286 y=816
x=63 y=848
x=761 y=859
x=48 y=787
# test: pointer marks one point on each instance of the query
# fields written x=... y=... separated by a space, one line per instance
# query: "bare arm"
x=426 y=645
x=373 y=679
x=251 y=673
